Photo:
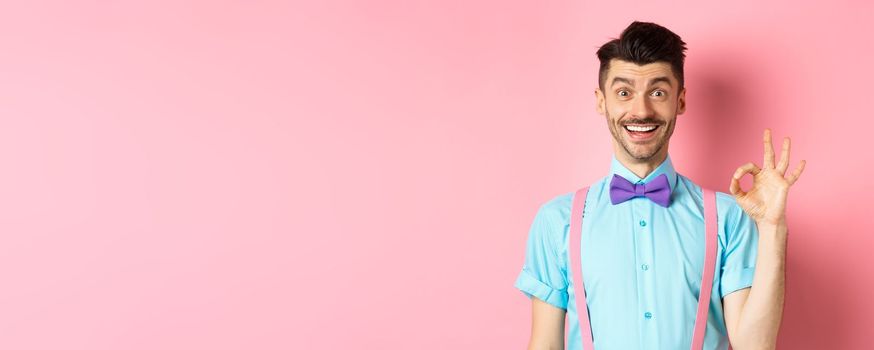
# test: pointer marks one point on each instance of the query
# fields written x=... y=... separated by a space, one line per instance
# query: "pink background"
x=362 y=175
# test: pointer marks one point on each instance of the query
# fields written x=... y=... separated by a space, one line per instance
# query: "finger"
x=746 y=168
x=769 y=151
x=784 y=157
x=735 y=188
x=796 y=173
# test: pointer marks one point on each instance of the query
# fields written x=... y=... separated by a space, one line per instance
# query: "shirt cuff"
x=736 y=279
x=532 y=287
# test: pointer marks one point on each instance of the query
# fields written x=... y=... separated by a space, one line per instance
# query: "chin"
x=644 y=156
x=642 y=153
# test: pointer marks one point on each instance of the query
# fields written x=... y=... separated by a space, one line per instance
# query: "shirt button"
x=642 y=223
x=647 y=315
x=644 y=267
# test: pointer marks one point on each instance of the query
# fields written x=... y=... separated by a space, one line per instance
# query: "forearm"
x=547 y=326
x=760 y=317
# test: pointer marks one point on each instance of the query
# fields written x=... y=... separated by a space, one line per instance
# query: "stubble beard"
x=635 y=151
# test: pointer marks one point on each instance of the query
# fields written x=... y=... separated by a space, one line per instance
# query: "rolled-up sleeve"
x=543 y=272
x=741 y=247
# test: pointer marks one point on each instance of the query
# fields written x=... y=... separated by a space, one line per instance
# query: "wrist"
x=772 y=235
x=778 y=227
x=775 y=224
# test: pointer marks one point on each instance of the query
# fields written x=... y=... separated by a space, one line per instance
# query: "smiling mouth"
x=641 y=131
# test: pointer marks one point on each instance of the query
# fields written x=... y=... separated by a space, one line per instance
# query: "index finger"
x=768 y=162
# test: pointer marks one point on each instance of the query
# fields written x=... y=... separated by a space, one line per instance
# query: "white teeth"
x=640 y=128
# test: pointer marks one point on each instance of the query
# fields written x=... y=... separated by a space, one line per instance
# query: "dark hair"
x=642 y=43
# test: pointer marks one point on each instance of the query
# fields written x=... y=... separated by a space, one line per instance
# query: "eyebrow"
x=631 y=82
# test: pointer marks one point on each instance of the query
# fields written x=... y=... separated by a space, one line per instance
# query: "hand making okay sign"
x=765 y=202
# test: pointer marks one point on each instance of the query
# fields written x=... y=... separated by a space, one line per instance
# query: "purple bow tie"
x=658 y=190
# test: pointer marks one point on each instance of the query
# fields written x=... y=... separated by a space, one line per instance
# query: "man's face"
x=641 y=104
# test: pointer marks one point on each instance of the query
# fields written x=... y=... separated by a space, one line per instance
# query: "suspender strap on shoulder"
x=575 y=262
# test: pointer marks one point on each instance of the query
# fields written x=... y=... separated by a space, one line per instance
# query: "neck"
x=640 y=167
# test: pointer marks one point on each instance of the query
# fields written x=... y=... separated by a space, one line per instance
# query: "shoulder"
x=553 y=217
x=733 y=220
x=551 y=222
x=559 y=206
x=556 y=209
x=726 y=204
x=728 y=211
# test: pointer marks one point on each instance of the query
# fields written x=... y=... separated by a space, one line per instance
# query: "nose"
x=641 y=107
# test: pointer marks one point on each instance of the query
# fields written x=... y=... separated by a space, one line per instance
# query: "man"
x=642 y=260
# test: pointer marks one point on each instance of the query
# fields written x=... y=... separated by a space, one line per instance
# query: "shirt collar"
x=666 y=168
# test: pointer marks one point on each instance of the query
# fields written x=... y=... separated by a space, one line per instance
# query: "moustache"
x=642 y=121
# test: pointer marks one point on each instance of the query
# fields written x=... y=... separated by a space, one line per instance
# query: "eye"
x=658 y=93
x=623 y=93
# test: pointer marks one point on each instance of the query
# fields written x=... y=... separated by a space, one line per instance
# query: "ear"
x=681 y=102
x=599 y=102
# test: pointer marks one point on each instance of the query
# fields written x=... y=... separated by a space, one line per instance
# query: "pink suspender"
x=710 y=237
x=710 y=242
x=576 y=233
